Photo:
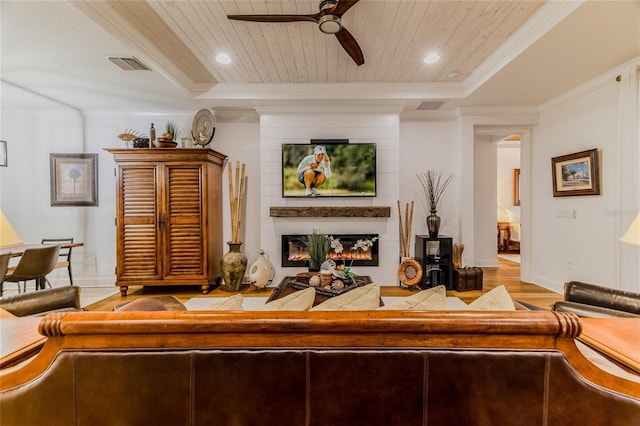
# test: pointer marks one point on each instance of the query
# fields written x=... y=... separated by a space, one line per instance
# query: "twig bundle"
x=405 y=230
x=236 y=199
x=457 y=255
x=433 y=186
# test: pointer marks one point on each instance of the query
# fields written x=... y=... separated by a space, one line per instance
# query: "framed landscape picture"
x=74 y=179
x=576 y=174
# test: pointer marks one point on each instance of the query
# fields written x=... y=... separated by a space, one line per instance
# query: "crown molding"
x=546 y=18
x=588 y=87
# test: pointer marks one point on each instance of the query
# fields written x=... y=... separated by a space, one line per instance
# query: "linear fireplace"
x=294 y=250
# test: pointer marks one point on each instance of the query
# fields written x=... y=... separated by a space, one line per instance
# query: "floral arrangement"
x=364 y=245
x=433 y=186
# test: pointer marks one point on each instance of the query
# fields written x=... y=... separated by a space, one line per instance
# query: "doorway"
x=508 y=198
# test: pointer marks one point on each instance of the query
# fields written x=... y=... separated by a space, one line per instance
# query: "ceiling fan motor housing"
x=330 y=24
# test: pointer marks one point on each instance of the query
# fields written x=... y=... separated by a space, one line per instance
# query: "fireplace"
x=295 y=254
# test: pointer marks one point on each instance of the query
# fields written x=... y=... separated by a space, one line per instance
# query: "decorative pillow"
x=363 y=298
x=432 y=299
x=233 y=303
x=298 y=301
x=497 y=299
x=6 y=314
x=143 y=304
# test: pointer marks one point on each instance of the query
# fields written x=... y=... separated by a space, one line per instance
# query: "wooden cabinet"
x=168 y=217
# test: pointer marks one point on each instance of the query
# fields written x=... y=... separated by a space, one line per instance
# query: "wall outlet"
x=570 y=266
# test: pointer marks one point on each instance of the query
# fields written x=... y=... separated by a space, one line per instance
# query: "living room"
x=562 y=77
x=568 y=238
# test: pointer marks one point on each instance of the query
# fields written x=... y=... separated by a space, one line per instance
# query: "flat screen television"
x=349 y=172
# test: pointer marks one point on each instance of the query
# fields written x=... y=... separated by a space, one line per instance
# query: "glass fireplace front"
x=295 y=254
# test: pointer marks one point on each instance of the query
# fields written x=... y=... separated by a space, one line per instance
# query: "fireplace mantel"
x=330 y=211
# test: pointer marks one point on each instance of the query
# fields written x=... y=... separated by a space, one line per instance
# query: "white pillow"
x=363 y=298
x=498 y=299
x=233 y=303
x=432 y=299
x=298 y=301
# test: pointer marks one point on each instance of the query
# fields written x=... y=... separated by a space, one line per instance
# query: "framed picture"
x=3 y=153
x=516 y=187
x=74 y=179
x=576 y=174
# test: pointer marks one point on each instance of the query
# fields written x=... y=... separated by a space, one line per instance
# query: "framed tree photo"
x=74 y=179
x=576 y=174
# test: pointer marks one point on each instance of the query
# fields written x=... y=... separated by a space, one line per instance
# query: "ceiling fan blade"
x=343 y=6
x=351 y=46
x=275 y=18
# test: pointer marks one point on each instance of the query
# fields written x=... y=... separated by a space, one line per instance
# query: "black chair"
x=4 y=267
x=65 y=254
x=34 y=264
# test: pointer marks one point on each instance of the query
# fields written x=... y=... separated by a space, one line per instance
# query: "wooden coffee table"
x=285 y=288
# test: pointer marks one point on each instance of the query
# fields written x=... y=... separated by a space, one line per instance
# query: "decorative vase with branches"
x=433 y=186
x=233 y=264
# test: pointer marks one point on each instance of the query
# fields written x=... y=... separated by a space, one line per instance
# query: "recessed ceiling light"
x=431 y=58
x=223 y=58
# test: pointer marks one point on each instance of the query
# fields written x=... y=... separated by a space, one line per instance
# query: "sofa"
x=594 y=301
x=42 y=302
x=380 y=367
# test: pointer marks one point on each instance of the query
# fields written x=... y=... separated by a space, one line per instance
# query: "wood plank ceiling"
x=394 y=36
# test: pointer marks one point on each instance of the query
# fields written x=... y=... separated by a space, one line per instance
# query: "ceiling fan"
x=328 y=20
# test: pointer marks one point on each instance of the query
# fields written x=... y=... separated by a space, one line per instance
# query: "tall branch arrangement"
x=405 y=230
x=433 y=186
x=236 y=199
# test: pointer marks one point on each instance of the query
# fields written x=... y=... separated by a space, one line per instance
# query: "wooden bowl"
x=162 y=143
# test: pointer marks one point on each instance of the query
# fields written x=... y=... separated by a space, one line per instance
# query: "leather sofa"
x=314 y=368
x=42 y=302
x=589 y=300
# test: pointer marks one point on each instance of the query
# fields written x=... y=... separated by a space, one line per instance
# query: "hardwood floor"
x=508 y=273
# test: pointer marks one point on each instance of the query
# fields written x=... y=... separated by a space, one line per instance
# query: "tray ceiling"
x=281 y=63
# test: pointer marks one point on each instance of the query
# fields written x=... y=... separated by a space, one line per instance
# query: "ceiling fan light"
x=330 y=24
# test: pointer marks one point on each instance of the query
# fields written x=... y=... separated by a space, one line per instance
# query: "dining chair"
x=64 y=260
x=34 y=264
x=4 y=267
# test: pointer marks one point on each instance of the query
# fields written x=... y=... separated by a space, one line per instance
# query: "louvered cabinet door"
x=137 y=236
x=182 y=221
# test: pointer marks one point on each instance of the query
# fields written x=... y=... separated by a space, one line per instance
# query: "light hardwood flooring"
x=507 y=274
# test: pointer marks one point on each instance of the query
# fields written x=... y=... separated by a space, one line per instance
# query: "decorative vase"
x=233 y=266
x=433 y=224
x=261 y=272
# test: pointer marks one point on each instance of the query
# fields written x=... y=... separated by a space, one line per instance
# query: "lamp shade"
x=8 y=236
x=632 y=236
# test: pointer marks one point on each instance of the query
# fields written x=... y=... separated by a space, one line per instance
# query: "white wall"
x=485 y=176
x=585 y=248
x=430 y=145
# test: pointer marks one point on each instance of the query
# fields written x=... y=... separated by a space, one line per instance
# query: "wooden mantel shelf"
x=330 y=211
